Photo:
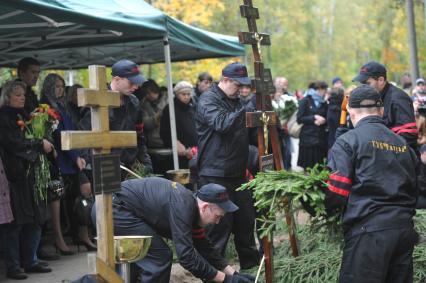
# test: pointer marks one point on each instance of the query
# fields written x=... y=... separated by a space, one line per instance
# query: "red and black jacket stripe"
x=340 y=185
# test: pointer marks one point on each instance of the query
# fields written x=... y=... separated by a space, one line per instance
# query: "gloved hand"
x=237 y=278
x=340 y=131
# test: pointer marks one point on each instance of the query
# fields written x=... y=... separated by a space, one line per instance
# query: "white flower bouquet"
x=285 y=107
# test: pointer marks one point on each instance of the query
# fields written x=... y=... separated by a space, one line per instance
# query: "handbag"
x=55 y=189
x=293 y=127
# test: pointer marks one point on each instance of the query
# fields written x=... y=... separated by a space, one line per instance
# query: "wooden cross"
x=265 y=121
x=105 y=174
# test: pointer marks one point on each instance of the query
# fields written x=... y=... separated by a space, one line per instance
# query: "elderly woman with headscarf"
x=185 y=123
x=70 y=163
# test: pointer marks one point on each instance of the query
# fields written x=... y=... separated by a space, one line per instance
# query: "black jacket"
x=124 y=118
x=311 y=134
x=172 y=211
x=19 y=155
x=185 y=127
x=222 y=135
x=373 y=176
x=334 y=110
x=31 y=99
x=399 y=114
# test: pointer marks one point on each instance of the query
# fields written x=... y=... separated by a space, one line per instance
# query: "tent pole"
x=70 y=77
x=171 y=102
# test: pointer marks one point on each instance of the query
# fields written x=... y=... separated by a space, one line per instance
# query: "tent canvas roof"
x=65 y=34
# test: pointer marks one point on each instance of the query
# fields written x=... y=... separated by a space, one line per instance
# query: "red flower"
x=21 y=124
x=53 y=113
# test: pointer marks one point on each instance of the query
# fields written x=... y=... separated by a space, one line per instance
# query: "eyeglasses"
x=236 y=83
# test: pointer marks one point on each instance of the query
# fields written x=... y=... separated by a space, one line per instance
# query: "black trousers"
x=156 y=266
x=240 y=223
x=378 y=257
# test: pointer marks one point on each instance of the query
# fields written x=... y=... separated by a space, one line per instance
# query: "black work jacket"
x=185 y=127
x=399 y=114
x=222 y=135
x=172 y=211
x=373 y=176
x=19 y=156
x=311 y=134
x=123 y=118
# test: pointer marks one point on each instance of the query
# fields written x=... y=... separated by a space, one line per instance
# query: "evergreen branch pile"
x=272 y=190
x=320 y=241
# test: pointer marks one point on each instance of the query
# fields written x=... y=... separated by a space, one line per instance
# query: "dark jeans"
x=380 y=256
x=156 y=266
x=240 y=223
x=14 y=247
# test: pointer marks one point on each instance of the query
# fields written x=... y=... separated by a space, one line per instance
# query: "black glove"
x=340 y=131
x=236 y=278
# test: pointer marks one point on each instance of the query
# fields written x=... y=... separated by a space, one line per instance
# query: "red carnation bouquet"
x=43 y=121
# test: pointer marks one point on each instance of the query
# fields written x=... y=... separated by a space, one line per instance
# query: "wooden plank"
x=107 y=273
x=250 y=38
x=97 y=77
x=104 y=228
x=96 y=139
x=253 y=119
x=249 y=12
x=102 y=98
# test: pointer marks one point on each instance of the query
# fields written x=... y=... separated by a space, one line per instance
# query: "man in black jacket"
x=125 y=79
x=164 y=209
x=222 y=158
x=28 y=72
x=398 y=107
x=373 y=176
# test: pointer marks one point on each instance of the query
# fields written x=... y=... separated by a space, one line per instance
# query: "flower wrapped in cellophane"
x=43 y=121
x=285 y=107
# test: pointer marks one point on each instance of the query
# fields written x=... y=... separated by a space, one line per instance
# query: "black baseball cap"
x=370 y=69
x=129 y=70
x=238 y=72
x=217 y=194
x=362 y=93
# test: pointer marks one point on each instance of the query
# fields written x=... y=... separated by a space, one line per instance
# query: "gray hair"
x=8 y=90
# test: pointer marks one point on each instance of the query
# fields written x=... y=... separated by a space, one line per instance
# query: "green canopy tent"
x=66 y=34
x=72 y=33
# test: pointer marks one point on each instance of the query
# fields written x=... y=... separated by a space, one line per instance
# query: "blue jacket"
x=66 y=158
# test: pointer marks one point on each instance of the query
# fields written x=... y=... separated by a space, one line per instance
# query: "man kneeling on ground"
x=163 y=209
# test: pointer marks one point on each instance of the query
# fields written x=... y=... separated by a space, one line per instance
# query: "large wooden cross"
x=265 y=122
x=106 y=167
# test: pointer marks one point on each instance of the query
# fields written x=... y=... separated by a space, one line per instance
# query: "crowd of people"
x=212 y=140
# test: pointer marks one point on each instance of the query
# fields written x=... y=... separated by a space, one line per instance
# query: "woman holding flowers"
x=19 y=157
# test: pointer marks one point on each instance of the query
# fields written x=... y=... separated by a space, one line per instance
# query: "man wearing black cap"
x=373 y=177
x=126 y=78
x=163 y=209
x=222 y=158
x=398 y=108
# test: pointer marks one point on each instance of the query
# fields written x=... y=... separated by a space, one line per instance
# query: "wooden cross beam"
x=265 y=121
x=101 y=140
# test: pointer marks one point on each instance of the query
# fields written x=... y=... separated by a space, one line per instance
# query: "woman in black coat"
x=185 y=123
x=19 y=155
x=312 y=114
